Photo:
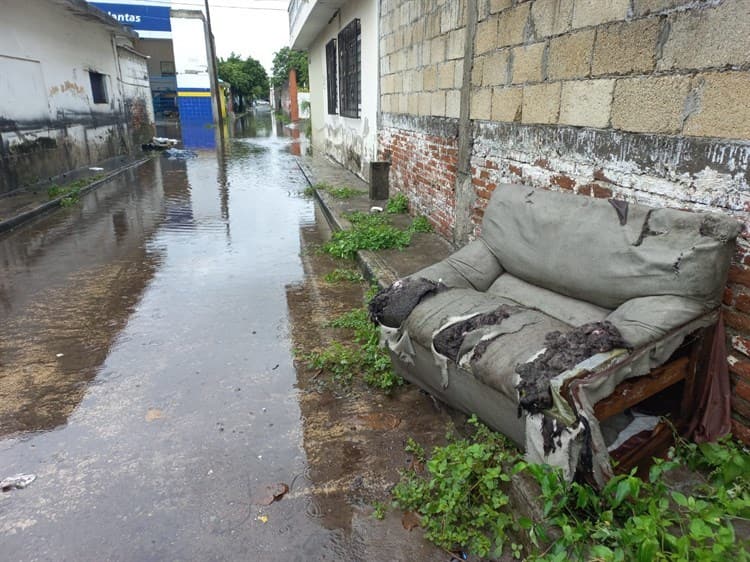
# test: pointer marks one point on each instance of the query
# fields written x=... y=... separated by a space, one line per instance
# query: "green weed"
x=71 y=192
x=338 y=275
x=380 y=509
x=398 y=204
x=421 y=224
x=463 y=501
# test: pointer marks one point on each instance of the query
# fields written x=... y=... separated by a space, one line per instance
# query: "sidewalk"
x=384 y=266
x=22 y=205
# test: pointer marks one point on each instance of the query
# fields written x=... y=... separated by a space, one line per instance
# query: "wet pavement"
x=147 y=375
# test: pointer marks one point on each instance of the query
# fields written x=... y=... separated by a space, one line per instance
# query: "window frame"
x=99 y=93
x=350 y=69
x=332 y=77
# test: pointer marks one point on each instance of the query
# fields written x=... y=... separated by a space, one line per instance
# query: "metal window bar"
x=331 y=77
x=350 y=45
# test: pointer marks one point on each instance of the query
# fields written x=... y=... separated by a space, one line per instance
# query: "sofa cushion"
x=586 y=249
x=566 y=309
x=514 y=340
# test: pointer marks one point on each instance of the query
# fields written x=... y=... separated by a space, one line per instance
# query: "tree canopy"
x=286 y=59
x=248 y=78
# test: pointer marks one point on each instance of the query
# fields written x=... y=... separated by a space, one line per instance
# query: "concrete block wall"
x=641 y=100
x=421 y=74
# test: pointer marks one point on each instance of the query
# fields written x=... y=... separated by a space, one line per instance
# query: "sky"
x=256 y=28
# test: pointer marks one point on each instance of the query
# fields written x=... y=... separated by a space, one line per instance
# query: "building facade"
x=73 y=90
x=341 y=38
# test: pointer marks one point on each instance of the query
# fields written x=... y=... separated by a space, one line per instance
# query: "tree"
x=247 y=78
x=286 y=59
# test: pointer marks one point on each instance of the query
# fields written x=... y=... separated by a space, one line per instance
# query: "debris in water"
x=376 y=209
x=391 y=306
x=262 y=518
x=58 y=355
x=562 y=352
x=16 y=482
x=270 y=493
x=180 y=154
x=96 y=169
x=410 y=520
x=154 y=414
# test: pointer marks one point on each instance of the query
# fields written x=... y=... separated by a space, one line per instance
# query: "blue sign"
x=137 y=16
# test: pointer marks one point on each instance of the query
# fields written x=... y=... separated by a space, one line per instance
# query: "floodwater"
x=147 y=375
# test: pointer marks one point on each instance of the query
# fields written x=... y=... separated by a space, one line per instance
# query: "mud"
x=562 y=352
x=391 y=306
x=448 y=341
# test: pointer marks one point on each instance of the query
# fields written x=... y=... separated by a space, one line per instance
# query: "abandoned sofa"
x=560 y=303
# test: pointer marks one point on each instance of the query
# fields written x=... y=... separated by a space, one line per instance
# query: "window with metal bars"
x=331 y=76
x=350 y=54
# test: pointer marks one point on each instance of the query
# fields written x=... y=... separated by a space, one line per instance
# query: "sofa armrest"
x=472 y=267
x=644 y=320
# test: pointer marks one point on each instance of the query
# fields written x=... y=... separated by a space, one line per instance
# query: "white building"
x=73 y=90
x=341 y=38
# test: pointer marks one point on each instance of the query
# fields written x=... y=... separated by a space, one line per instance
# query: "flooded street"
x=147 y=375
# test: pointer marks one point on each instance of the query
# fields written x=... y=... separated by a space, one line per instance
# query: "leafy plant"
x=463 y=498
x=309 y=191
x=380 y=509
x=421 y=224
x=340 y=274
x=340 y=361
x=398 y=204
x=462 y=503
x=343 y=192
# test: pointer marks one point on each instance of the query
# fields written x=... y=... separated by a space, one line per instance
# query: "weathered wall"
x=643 y=100
x=351 y=142
x=48 y=121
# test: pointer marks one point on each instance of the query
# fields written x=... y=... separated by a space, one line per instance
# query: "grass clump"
x=339 y=274
x=397 y=205
x=70 y=193
x=464 y=503
x=363 y=356
x=336 y=192
x=372 y=232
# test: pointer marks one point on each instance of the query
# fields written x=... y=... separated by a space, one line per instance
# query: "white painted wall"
x=46 y=54
x=190 y=52
x=343 y=137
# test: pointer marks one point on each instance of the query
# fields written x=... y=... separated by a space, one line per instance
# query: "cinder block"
x=541 y=103
x=499 y=5
x=721 y=107
x=551 y=17
x=486 y=37
x=426 y=53
x=586 y=103
x=626 y=48
x=570 y=55
x=413 y=104
x=595 y=12
x=450 y=16
x=506 y=104
x=645 y=7
x=481 y=103
x=403 y=103
x=709 y=38
x=385 y=103
x=458 y=74
x=437 y=104
x=527 y=63
x=429 y=79
x=512 y=25
x=446 y=75
x=477 y=70
x=425 y=101
x=456 y=44
x=495 y=69
x=651 y=104
x=437 y=50
x=453 y=103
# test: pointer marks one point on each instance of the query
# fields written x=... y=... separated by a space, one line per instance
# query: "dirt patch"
x=391 y=306
x=563 y=351
x=448 y=341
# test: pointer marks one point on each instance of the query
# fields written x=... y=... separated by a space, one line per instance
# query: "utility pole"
x=214 y=71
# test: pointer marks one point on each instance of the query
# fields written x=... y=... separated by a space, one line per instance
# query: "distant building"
x=73 y=90
x=341 y=38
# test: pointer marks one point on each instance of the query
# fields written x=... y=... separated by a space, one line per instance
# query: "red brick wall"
x=423 y=167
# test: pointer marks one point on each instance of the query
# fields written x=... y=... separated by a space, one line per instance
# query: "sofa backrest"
x=584 y=248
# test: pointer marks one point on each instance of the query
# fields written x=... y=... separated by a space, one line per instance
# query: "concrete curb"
x=374 y=268
x=48 y=206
